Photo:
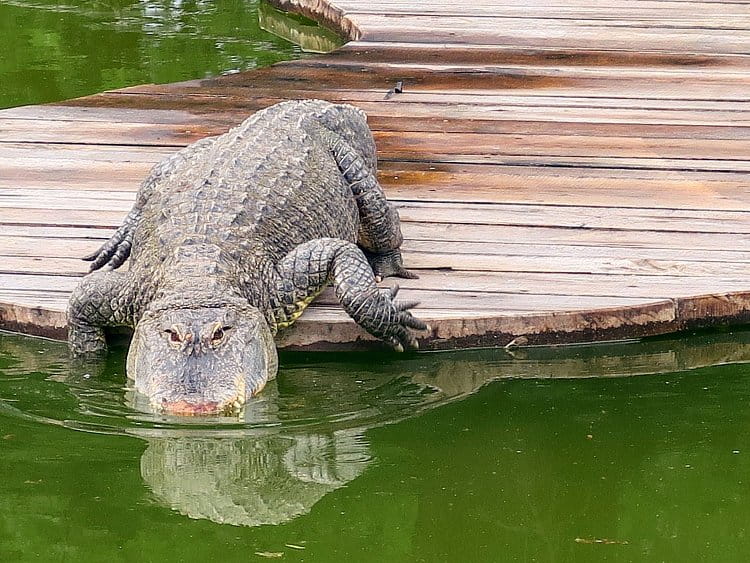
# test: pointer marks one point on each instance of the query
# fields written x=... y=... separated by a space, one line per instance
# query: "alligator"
x=229 y=240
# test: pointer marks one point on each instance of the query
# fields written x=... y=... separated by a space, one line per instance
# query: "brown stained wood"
x=565 y=171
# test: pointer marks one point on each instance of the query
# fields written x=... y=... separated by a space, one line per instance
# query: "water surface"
x=56 y=50
x=386 y=458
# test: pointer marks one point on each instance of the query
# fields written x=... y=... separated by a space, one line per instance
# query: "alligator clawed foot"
x=399 y=333
x=389 y=264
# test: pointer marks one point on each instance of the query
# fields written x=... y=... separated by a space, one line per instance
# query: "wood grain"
x=566 y=171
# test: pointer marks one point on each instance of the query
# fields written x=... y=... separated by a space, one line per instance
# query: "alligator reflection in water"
x=306 y=435
x=250 y=481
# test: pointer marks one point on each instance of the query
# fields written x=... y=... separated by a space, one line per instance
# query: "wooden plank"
x=714 y=14
x=585 y=260
x=506 y=283
x=530 y=32
x=451 y=232
x=445 y=183
x=573 y=217
x=485 y=257
x=536 y=82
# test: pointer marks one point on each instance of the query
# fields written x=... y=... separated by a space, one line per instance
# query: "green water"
x=383 y=458
x=54 y=50
x=353 y=457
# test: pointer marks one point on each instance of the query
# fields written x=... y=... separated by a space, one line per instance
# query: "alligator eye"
x=219 y=334
x=173 y=336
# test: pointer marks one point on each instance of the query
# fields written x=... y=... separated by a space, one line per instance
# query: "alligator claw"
x=398 y=332
x=389 y=264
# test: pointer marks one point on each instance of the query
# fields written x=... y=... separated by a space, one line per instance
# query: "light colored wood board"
x=431 y=181
x=34 y=248
x=127 y=176
x=577 y=217
x=582 y=265
x=666 y=220
x=413 y=144
x=44 y=231
x=513 y=185
x=47 y=266
x=506 y=283
x=471 y=303
x=148 y=117
x=88 y=132
x=448 y=233
x=53 y=217
x=24 y=165
x=27 y=196
x=597 y=29
x=56 y=200
x=650 y=6
x=83 y=179
x=492 y=249
x=736 y=166
x=640 y=264
x=38 y=283
x=47 y=131
x=714 y=14
x=521 y=185
x=611 y=285
x=465 y=301
x=532 y=33
x=37 y=153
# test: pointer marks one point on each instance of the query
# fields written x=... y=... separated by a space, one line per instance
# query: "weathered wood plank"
x=570 y=217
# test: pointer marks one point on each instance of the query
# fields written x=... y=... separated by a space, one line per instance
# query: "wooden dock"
x=566 y=171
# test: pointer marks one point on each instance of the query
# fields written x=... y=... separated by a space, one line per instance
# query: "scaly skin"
x=229 y=240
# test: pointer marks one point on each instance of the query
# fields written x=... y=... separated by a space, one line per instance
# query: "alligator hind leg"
x=353 y=148
x=102 y=299
x=305 y=271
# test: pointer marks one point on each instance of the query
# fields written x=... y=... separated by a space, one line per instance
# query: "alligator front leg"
x=102 y=299
x=305 y=271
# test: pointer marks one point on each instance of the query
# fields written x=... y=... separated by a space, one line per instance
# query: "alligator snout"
x=186 y=408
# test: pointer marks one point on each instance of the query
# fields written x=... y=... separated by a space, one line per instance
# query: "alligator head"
x=201 y=360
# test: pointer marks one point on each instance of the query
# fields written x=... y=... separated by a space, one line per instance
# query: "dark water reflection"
x=474 y=456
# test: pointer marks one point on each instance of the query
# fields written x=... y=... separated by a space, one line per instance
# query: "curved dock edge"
x=325 y=13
